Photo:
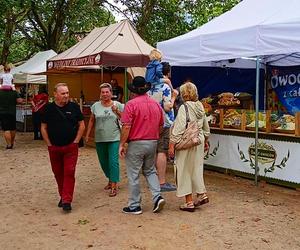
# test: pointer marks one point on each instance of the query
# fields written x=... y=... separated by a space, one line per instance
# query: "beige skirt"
x=189 y=171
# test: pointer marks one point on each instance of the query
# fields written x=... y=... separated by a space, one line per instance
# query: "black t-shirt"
x=62 y=122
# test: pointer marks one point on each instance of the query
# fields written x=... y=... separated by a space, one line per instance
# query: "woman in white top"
x=7 y=79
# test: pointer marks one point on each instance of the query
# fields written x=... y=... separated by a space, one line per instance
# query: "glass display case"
x=236 y=112
x=244 y=120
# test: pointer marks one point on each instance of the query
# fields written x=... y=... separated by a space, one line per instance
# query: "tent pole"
x=125 y=85
x=81 y=91
x=256 y=118
x=25 y=111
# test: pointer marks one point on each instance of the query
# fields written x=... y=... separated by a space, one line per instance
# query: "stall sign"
x=276 y=159
x=285 y=81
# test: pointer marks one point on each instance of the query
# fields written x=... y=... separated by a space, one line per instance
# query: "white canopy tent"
x=268 y=30
x=25 y=72
x=263 y=28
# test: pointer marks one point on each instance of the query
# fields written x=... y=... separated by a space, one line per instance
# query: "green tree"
x=29 y=26
x=52 y=24
x=164 y=19
x=202 y=11
x=12 y=13
x=32 y=25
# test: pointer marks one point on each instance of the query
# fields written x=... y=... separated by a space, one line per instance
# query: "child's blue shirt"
x=154 y=72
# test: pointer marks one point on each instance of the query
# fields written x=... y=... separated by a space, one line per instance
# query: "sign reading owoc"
x=285 y=81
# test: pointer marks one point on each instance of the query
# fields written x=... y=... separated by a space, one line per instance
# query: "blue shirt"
x=162 y=93
x=154 y=72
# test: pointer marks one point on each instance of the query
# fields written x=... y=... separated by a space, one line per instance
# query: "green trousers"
x=108 y=155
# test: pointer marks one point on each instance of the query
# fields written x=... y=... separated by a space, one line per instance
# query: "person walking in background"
x=8 y=102
x=62 y=128
x=38 y=103
x=117 y=91
x=142 y=120
x=165 y=98
x=7 y=79
x=189 y=162
x=104 y=117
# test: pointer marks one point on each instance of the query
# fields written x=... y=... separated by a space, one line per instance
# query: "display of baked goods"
x=232 y=118
x=228 y=99
x=250 y=120
x=207 y=99
x=207 y=107
x=284 y=123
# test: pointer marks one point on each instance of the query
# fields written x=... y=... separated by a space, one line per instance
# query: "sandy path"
x=239 y=216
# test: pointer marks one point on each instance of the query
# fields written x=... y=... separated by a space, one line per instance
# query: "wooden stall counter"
x=232 y=146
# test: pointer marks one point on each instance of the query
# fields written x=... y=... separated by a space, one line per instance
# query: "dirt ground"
x=239 y=215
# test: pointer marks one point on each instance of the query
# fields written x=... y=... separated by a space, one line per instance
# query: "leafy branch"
x=244 y=159
x=281 y=165
x=213 y=153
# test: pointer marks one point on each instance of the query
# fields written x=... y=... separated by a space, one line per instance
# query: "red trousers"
x=63 y=161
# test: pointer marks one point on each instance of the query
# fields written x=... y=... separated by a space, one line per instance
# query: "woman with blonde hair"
x=104 y=117
x=189 y=162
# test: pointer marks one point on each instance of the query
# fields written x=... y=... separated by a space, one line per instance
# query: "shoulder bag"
x=118 y=121
x=190 y=136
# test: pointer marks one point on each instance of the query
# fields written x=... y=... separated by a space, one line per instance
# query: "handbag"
x=190 y=135
x=118 y=121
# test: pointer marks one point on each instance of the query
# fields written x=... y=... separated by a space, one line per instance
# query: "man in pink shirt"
x=142 y=120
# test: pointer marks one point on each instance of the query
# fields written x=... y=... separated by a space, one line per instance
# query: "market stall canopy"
x=252 y=28
x=25 y=72
x=114 y=45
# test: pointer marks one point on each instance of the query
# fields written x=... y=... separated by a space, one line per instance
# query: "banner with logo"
x=285 y=82
x=276 y=159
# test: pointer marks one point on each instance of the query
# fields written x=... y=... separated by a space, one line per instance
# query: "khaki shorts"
x=163 y=141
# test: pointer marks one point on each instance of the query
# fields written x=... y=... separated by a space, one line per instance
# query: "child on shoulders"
x=154 y=71
x=7 y=79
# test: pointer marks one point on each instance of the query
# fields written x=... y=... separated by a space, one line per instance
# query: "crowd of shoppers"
x=144 y=132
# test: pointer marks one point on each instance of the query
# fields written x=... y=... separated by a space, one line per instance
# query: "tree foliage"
x=32 y=25
x=164 y=19
x=12 y=12
x=52 y=23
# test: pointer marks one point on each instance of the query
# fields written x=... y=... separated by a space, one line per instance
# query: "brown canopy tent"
x=114 y=46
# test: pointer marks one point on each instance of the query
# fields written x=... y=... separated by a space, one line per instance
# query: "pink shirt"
x=145 y=117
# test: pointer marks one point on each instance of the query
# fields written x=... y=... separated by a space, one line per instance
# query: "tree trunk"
x=7 y=39
x=145 y=17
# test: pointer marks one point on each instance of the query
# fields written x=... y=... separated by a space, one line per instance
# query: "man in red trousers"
x=62 y=128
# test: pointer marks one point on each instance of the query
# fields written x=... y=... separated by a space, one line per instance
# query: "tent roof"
x=24 y=73
x=251 y=28
x=114 y=45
